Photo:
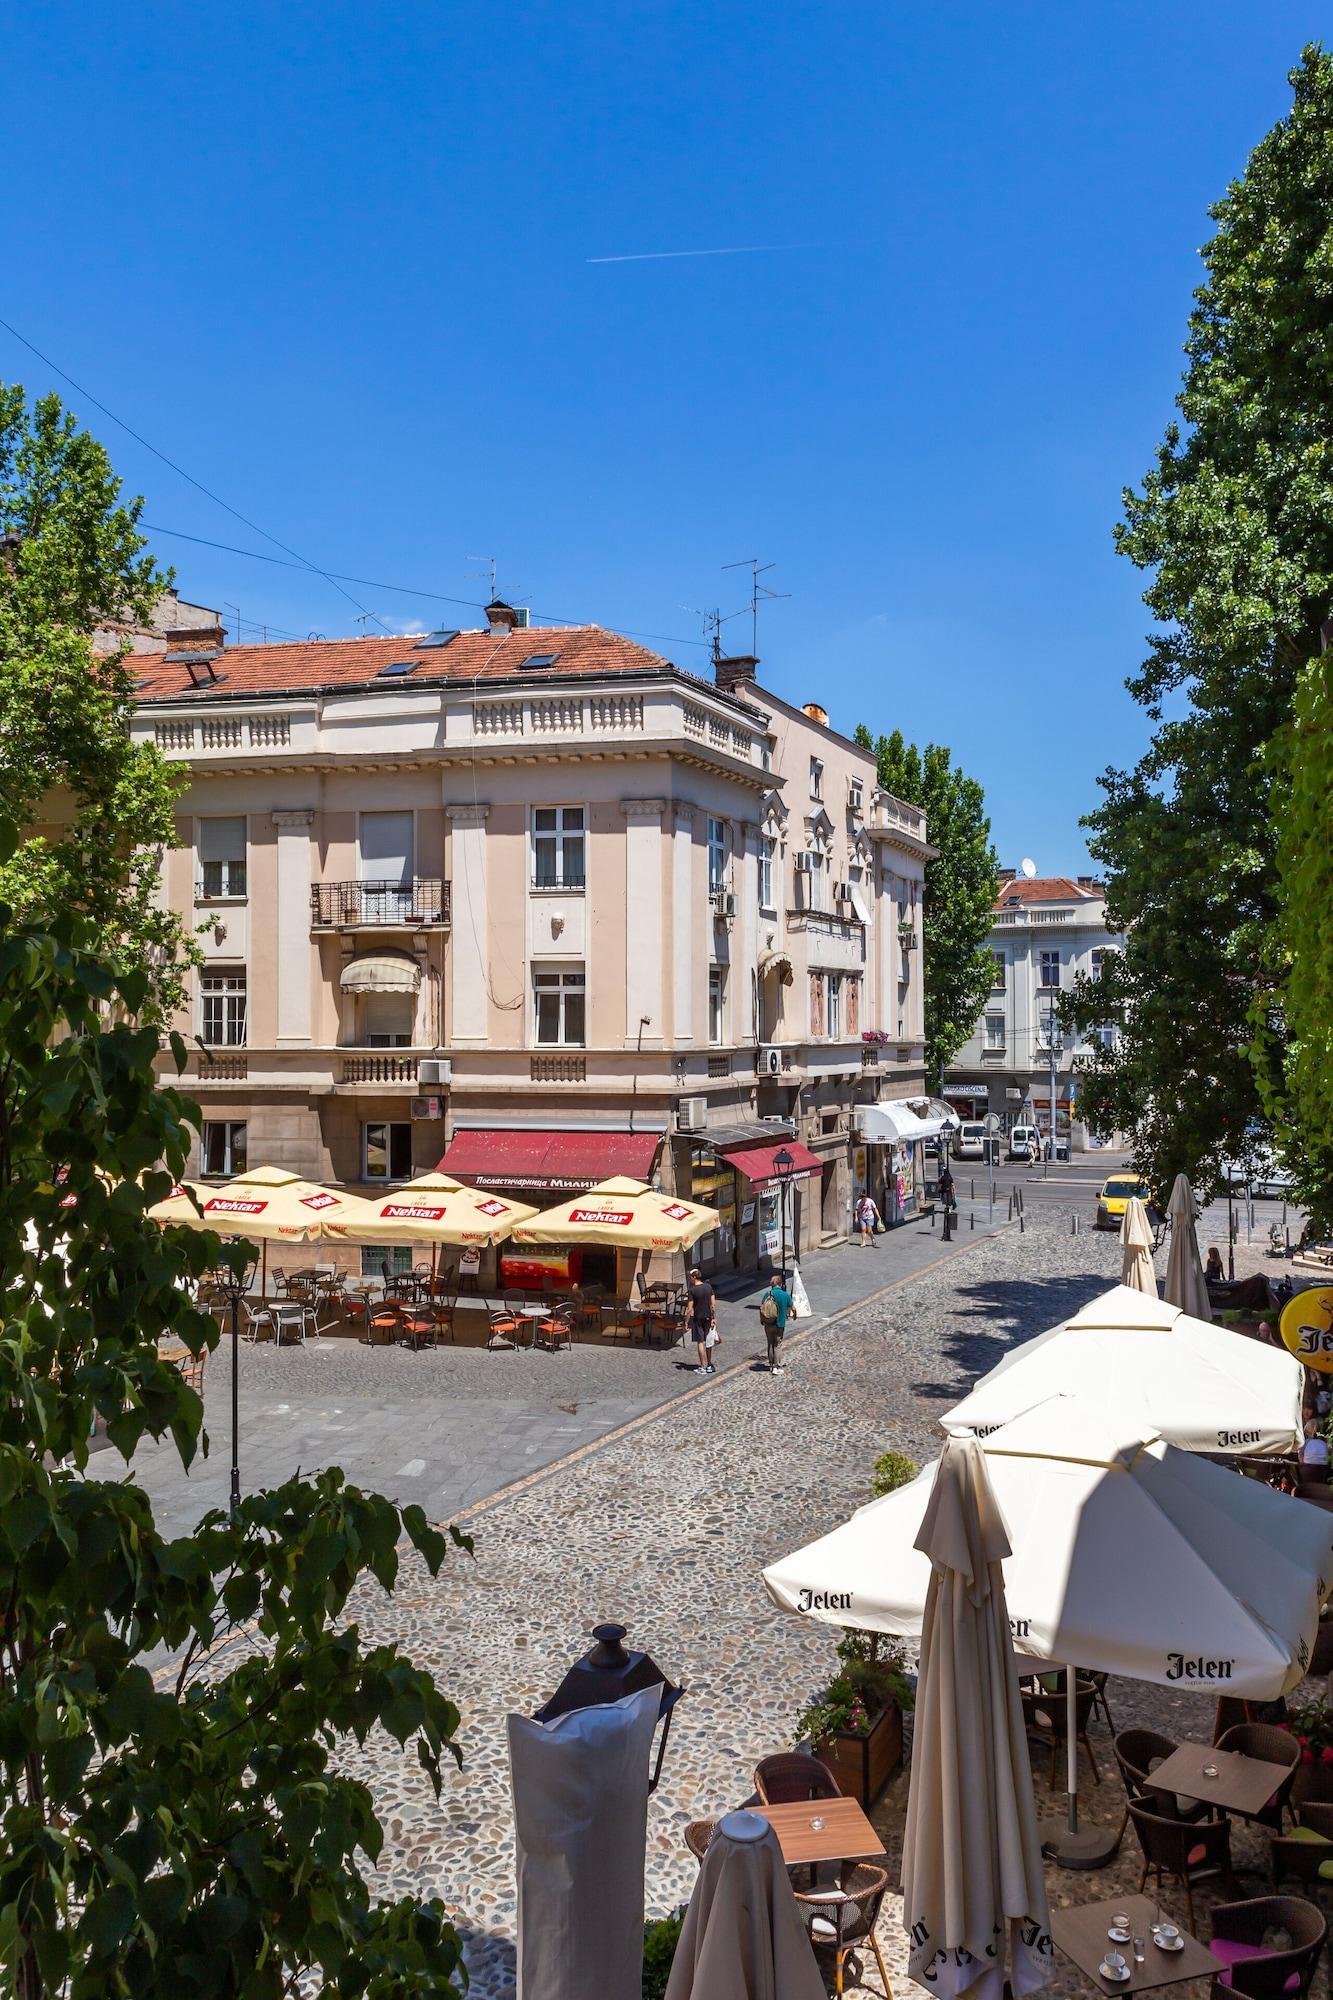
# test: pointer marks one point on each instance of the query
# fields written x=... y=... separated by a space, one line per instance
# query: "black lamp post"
x=608 y=1673
x=234 y=1277
x=784 y=1166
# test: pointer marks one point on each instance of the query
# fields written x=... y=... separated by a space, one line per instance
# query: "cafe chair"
x=1305 y=1852
x=441 y=1311
x=1269 y=1971
x=697 y=1836
x=416 y=1328
x=1231 y=1709
x=1046 y=1715
x=556 y=1330
x=289 y=1322
x=1189 y=1853
x=841 y=1918
x=382 y=1324
x=1274 y=1746
x=792 y=1776
x=587 y=1311
x=506 y=1328
x=630 y=1321
x=255 y=1318
x=1137 y=1754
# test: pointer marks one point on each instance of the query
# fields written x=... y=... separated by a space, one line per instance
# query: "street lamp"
x=784 y=1166
x=608 y=1673
x=234 y=1276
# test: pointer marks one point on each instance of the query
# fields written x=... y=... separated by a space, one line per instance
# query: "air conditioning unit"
x=804 y=863
x=435 y=1069
x=692 y=1114
x=769 y=1062
x=842 y=892
x=724 y=904
x=427 y=1107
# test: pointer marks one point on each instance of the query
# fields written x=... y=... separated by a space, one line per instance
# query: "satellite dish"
x=1029 y=867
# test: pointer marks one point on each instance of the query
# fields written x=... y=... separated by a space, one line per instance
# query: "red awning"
x=550 y=1162
x=756 y=1162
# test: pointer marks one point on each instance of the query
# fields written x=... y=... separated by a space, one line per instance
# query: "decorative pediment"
x=819 y=830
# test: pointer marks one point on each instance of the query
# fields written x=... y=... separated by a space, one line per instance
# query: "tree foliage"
x=96 y=810
x=1234 y=524
x=960 y=886
x=166 y=1837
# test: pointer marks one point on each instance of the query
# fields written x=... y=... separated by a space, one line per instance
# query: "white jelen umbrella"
x=974 y=1893
x=1136 y=1266
x=1147 y=1366
x=1129 y=1557
x=743 y=1938
x=1185 y=1284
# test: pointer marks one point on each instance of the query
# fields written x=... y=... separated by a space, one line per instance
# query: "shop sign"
x=1306 y=1327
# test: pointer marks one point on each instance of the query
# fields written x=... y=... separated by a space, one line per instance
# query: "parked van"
x=1026 y=1143
x=969 y=1141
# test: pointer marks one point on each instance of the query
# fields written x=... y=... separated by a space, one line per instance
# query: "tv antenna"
x=490 y=561
x=759 y=592
x=712 y=627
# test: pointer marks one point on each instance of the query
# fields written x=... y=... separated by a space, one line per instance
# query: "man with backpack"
x=774 y=1309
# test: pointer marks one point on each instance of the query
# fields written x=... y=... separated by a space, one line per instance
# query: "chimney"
x=816 y=713
x=1007 y=875
x=735 y=670
x=1092 y=883
x=502 y=618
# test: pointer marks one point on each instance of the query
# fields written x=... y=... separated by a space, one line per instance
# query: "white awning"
x=898 y=1122
x=381 y=972
x=777 y=962
x=860 y=902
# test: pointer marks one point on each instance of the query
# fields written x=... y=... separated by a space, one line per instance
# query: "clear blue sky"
x=335 y=261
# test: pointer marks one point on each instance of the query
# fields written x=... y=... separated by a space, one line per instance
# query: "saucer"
x=1118 y=1937
x=1108 y=1973
x=1177 y=1943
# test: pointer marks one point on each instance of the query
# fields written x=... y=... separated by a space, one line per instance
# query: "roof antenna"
x=758 y=591
x=228 y=605
x=712 y=627
x=491 y=561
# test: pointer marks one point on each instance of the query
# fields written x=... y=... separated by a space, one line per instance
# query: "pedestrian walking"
x=774 y=1308
x=945 y=1185
x=867 y=1220
x=703 y=1321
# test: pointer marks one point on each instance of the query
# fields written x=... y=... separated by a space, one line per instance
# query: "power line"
x=302 y=562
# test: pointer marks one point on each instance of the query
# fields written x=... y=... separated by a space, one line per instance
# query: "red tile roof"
x=1041 y=889
x=308 y=664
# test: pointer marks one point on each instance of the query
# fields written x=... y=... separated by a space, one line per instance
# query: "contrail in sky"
x=652 y=256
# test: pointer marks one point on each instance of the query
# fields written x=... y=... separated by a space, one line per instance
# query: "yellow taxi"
x=1116 y=1192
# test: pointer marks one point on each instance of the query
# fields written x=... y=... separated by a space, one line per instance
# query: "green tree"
x=960 y=886
x=96 y=809
x=187 y=1837
x=1234 y=524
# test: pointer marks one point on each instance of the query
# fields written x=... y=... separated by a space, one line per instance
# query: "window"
x=767 y=850
x=222 y=1012
x=1050 y=968
x=558 y=834
x=833 y=1015
x=997 y=972
x=816 y=778
x=717 y=1003
x=994 y=1031
x=717 y=855
x=1102 y=1037
x=855 y=797
x=398 y=1257
x=385 y=867
x=560 y=1002
x=222 y=1148
x=386 y=1152
x=222 y=857
x=814 y=881
x=386 y=1020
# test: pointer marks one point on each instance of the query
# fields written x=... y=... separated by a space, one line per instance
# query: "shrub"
x=660 y=1938
x=892 y=1470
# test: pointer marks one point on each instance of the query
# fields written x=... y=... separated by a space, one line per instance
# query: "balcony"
x=558 y=1069
x=345 y=906
x=381 y=1066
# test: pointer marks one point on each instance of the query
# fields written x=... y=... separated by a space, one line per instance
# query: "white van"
x=1022 y=1140
x=969 y=1142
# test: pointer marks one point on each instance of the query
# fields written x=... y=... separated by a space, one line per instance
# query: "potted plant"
x=1312 y=1727
x=855 y=1723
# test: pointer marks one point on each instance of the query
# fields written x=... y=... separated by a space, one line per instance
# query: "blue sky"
x=335 y=262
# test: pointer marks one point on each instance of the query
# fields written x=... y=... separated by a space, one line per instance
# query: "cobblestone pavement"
x=666 y=1526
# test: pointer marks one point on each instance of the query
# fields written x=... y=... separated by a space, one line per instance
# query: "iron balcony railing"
x=339 y=905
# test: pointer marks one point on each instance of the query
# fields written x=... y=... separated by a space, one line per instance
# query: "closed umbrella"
x=743 y=1938
x=974 y=1894
x=1152 y=1368
x=1185 y=1285
x=1136 y=1267
x=627 y=1214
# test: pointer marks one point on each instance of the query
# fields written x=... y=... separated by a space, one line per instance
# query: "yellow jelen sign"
x=1306 y=1327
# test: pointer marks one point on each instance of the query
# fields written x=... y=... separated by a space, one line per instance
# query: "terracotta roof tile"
x=308 y=664
x=1042 y=889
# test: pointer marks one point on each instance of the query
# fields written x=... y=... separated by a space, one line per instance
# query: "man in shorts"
x=703 y=1321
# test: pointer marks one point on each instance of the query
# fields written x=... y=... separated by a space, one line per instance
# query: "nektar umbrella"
x=434 y=1209
x=1150 y=1368
x=1129 y=1557
x=264 y=1205
x=974 y=1892
x=626 y=1214
x=1136 y=1267
x=1185 y=1284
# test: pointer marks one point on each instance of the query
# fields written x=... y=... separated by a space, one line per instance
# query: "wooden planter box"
x=863 y=1765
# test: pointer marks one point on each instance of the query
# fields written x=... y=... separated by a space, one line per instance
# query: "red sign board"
x=320 y=1201
x=677 y=1212
x=493 y=1208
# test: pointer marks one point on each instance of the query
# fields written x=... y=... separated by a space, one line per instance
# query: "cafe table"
x=845 y=1834
x=1242 y=1784
x=1081 y=1934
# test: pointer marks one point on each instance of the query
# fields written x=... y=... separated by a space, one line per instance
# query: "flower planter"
x=863 y=1765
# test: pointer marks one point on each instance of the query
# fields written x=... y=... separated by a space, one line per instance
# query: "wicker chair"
x=1046 y=1715
x=1238 y=1937
x=1231 y=1710
x=843 y=1917
x=1304 y=1854
x=1137 y=1751
x=1275 y=1746
x=793 y=1775
x=1188 y=1853
x=697 y=1836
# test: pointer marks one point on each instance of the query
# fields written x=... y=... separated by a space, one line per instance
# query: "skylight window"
x=431 y=641
x=539 y=660
x=396 y=669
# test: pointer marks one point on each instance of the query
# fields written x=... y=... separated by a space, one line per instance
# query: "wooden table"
x=1080 y=1934
x=846 y=1834
x=1243 y=1784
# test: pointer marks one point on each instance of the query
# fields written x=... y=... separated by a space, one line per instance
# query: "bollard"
x=972 y=1184
x=971 y=1218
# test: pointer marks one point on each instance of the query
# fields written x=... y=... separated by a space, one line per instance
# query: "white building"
x=1046 y=930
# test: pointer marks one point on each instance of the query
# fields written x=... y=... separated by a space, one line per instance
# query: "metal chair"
x=383 y=1320
x=506 y=1328
x=1238 y=1936
x=841 y=1918
x=793 y=1775
x=1187 y=1852
x=416 y=1328
x=441 y=1311
x=1274 y=1746
x=630 y=1321
x=290 y=1319
x=255 y=1317
x=556 y=1330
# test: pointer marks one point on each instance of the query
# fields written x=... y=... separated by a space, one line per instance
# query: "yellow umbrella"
x=626 y=1214
x=434 y=1209
x=264 y=1205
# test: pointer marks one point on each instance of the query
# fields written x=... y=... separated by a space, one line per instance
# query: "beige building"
x=540 y=904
